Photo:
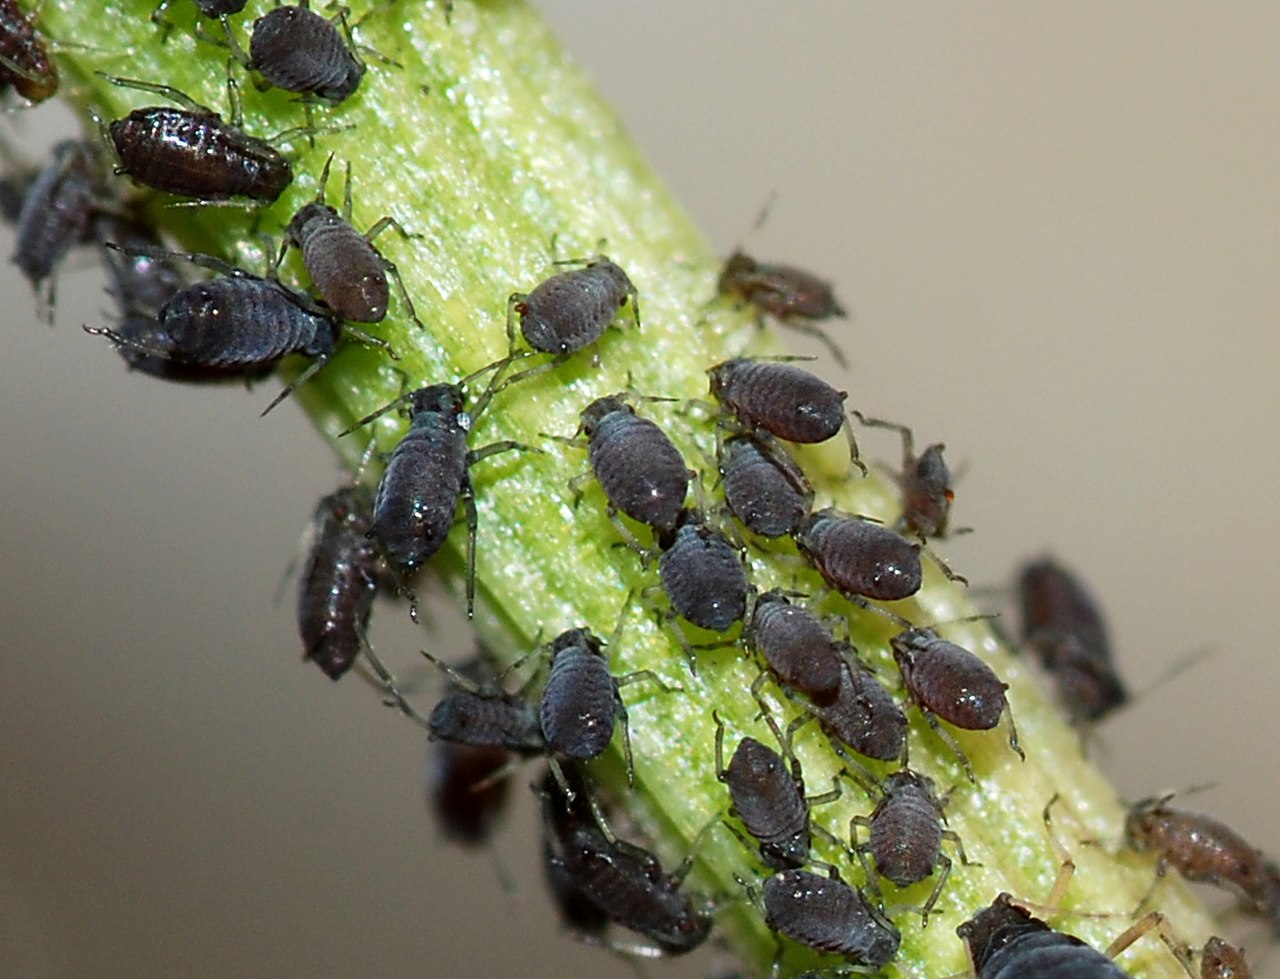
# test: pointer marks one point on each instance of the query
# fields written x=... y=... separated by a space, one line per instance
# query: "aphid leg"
x=469 y=508
x=209 y=262
x=1157 y=922
x=385 y=682
x=949 y=739
x=165 y=91
x=123 y=341
x=854 y=455
x=819 y=334
x=370 y=340
x=943 y=872
x=943 y=566
x=293 y=385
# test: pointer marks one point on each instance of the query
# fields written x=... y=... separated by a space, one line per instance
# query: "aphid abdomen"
x=579 y=705
x=419 y=494
x=347 y=271
x=639 y=469
x=298 y=50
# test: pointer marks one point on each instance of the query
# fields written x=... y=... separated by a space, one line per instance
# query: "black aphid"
x=797 y=646
x=192 y=152
x=906 y=835
x=858 y=557
x=573 y=308
x=426 y=477
x=620 y=879
x=864 y=716
x=349 y=273
x=56 y=212
x=763 y=486
x=792 y=296
x=338 y=582
x=1063 y=624
x=924 y=481
x=24 y=60
x=483 y=715
x=949 y=682
x=768 y=798
x=296 y=49
x=639 y=469
x=826 y=914
x=703 y=574
x=781 y=399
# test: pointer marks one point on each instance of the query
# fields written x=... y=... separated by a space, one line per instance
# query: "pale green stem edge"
x=490 y=144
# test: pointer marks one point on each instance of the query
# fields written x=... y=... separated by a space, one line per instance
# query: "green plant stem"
x=493 y=150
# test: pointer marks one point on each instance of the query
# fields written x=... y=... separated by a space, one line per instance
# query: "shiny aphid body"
x=858 y=557
x=797 y=646
x=763 y=486
x=906 y=834
x=864 y=716
x=296 y=49
x=338 y=582
x=703 y=575
x=56 y=211
x=1006 y=942
x=348 y=272
x=24 y=61
x=1203 y=849
x=1063 y=624
x=778 y=398
x=623 y=881
x=426 y=476
x=768 y=799
x=949 y=682
x=572 y=309
x=192 y=152
x=790 y=295
x=826 y=914
x=639 y=469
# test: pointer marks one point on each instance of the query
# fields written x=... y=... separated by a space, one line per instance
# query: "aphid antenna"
x=164 y=91
x=385 y=683
x=210 y=262
x=496 y=382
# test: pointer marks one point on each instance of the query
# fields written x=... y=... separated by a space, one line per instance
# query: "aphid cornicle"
x=426 y=477
x=826 y=914
x=949 y=682
x=702 y=574
x=763 y=486
x=858 y=557
x=622 y=880
x=338 y=582
x=797 y=646
x=639 y=469
x=1203 y=849
x=1063 y=624
x=56 y=212
x=792 y=296
x=192 y=152
x=24 y=61
x=296 y=49
x=906 y=835
x=348 y=272
x=571 y=309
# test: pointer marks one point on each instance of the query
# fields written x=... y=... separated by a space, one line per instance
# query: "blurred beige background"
x=1058 y=230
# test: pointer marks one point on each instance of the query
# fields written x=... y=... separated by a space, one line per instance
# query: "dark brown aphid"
x=781 y=399
x=768 y=798
x=792 y=296
x=638 y=467
x=298 y=50
x=192 y=152
x=864 y=716
x=826 y=914
x=1062 y=623
x=906 y=835
x=949 y=682
x=573 y=308
x=24 y=61
x=925 y=483
x=858 y=557
x=56 y=213
x=426 y=477
x=338 y=582
x=702 y=574
x=241 y=324
x=1202 y=849
x=464 y=787
x=763 y=486
x=797 y=646
x=1006 y=942
x=1223 y=961
x=620 y=879
x=348 y=272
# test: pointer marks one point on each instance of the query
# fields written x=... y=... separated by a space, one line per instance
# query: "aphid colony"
x=366 y=540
